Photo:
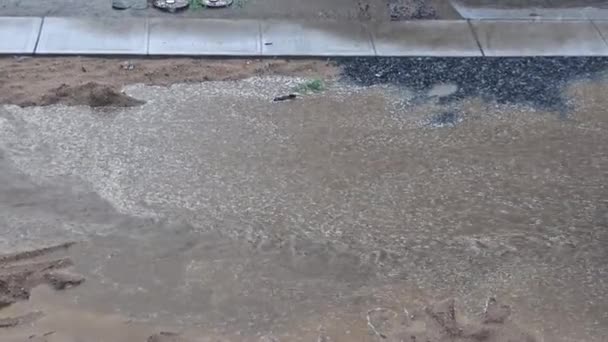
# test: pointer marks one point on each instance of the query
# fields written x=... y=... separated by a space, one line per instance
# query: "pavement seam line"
x=474 y=33
x=147 y=36
x=599 y=31
x=38 y=37
x=260 y=39
x=372 y=39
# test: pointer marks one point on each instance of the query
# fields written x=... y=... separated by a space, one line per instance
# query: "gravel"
x=535 y=81
x=411 y=10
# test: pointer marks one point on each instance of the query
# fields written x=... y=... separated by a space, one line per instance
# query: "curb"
x=254 y=38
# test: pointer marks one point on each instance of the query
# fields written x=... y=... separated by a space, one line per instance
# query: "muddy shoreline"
x=98 y=82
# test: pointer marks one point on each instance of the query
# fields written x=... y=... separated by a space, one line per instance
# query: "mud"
x=98 y=82
x=12 y=322
x=440 y=322
x=23 y=271
x=89 y=94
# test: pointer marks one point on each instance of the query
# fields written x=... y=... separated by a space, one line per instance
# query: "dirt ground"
x=362 y=212
x=23 y=271
x=99 y=81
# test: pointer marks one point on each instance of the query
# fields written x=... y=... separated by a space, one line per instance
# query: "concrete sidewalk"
x=529 y=9
x=222 y=37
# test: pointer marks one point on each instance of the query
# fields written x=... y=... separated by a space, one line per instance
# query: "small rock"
x=443 y=90
x=496 y=313
x=62 y=280
x=127 y=65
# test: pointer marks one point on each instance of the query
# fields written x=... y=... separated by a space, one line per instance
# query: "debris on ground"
x=23 y=271
x=166 y=336
x=127 y=65
x=440 y=321
x=62 y=280
x=285 y=97
x=364 y=12
x=89 y=94
x=445 y=119
x=411 y=9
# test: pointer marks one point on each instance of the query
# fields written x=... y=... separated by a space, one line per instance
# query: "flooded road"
x=211 y=210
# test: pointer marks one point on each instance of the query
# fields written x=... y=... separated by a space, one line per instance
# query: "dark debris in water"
x=536 y=81
x=445 y=119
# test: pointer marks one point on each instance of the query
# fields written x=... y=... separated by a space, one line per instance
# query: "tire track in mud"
x=21 y=272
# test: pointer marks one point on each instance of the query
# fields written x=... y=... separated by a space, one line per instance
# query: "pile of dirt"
x=23 y=271
x=39 y=81
x=89 y=94
x=440 y=322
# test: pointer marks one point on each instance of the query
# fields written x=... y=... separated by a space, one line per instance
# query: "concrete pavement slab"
x=425 y=38
x=531 y=9
x=520 y=14
x=204 y=37
x=19 y=34
x=539 y=38
x=602 y=26
x=282 y=38
x=93 y=36
x=596 y=13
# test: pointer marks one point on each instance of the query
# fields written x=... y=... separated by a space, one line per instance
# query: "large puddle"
x=212 y=207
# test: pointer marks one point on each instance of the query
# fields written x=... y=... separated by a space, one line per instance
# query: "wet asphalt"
x=529 y=81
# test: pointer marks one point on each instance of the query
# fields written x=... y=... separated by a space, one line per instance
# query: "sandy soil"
x=98 y=81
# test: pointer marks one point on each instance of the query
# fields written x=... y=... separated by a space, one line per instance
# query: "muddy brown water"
x=212 y=212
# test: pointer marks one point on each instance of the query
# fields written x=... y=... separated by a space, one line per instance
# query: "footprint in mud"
x=21 y=272
x=323 y=259
x=441 y=322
